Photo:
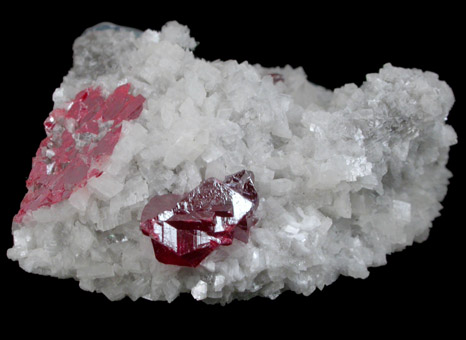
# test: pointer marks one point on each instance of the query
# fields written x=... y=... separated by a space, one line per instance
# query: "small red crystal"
x=77 y=139
x=277 y=77
x=186 y=228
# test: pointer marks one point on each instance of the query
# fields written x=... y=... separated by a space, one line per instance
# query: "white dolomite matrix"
x=344 y=177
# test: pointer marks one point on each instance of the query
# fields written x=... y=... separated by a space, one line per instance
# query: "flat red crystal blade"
x=76 y=140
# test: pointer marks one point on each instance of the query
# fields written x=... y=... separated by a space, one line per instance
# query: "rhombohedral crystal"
x=163 y=173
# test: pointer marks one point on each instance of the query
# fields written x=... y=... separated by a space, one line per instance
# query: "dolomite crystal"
x=344 y=177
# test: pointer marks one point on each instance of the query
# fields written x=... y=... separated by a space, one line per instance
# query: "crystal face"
x=78 y=139
x=186 y=228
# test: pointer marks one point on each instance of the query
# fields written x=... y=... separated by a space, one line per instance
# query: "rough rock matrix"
x=344 y=177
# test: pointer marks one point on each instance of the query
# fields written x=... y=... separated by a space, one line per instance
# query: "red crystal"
x=186 y=228
x=77 y=139
x=277 y=77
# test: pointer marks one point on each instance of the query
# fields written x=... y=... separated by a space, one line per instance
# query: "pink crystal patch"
x=186 y=228
x=78 y=140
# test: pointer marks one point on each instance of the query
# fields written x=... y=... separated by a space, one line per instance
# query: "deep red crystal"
x=186 y=228
x=77 y=140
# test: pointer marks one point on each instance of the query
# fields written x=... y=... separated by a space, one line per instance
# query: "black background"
x=419 y=288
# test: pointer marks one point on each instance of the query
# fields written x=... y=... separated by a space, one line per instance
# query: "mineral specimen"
x=343 y=177
x=186 y=228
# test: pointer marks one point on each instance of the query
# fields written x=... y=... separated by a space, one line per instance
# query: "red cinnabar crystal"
x=277 y=77
x=186 y=228
x=77 y=139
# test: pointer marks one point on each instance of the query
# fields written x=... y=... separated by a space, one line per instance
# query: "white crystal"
x=345 y=177
x=199 y=292
x=105 y=186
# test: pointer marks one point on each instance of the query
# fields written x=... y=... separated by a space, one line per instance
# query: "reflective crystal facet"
x=186 y=228
x=77 y=139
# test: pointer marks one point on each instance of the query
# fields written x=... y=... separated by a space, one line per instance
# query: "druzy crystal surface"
x=186 y=228
x=343 y=177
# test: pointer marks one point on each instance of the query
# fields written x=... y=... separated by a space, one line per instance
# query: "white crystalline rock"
x=344 y=177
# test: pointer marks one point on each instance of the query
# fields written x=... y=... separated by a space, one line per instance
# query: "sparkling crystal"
x=186 y=228
x=76 y=141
